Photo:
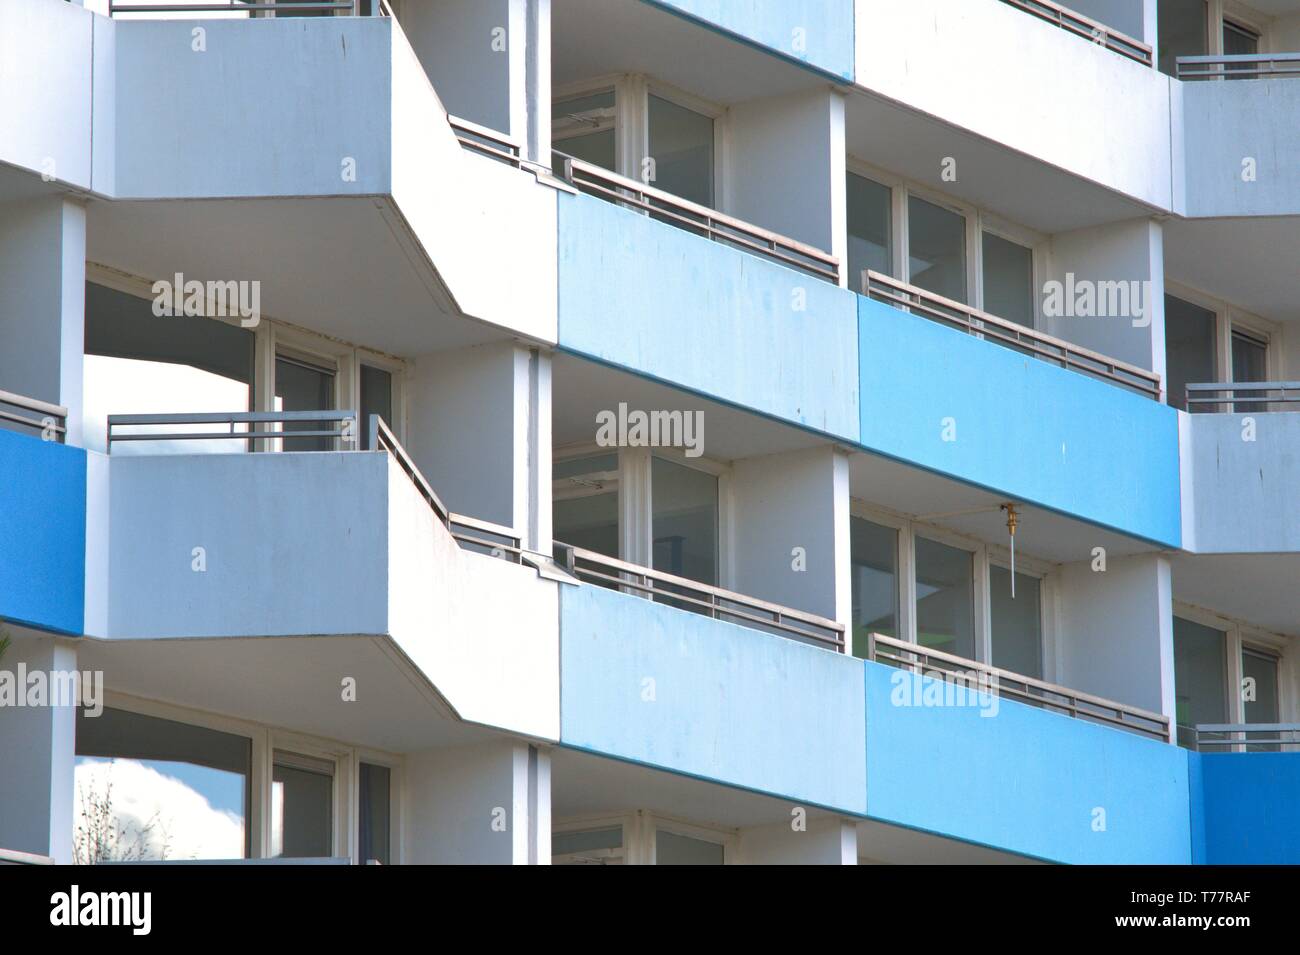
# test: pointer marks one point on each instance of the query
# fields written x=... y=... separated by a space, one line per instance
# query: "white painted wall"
x=1114 y=631
x=824 y=842
x=779 y=502
x=478 y=805
x=42 y=301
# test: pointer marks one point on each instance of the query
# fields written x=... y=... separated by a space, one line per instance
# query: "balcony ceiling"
x=1257 y=588
x=343 y=267
x=1249 y=262
x=592 y=38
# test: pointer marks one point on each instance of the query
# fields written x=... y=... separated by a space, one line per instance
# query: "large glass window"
x=584 y=507
x=685 y=520
x=1260 y=667
x=1189 y=348
x=583 y=127
x=1200 y=677
x=1249 y=363
x=1184 y=31
x=1008 y=280
x=302 y=807
x=153 y=789
x=303 y=385
x=874 y=562
x=374 y=814
x=1239 y=41
x=376 y=398
x=870 y=229
x=936 y=249
x=681 y=144
x=945 y=592
x=139 y=363
x=674 y=849
x=1017 y=622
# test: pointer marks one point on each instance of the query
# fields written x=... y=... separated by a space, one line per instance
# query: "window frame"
x=1227 y=319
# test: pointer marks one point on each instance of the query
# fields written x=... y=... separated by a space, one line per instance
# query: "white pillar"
x=823 y=842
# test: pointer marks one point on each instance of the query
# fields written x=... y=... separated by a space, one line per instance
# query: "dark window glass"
x=874 y=561
x=945 y=594
x=1189 y=349
x=681 y=144
x=1200 y=677
x=303 y=386
x=1239 y=41
x=1017 y=622
x=374 y=813
x=685 y=505
x=937 y=249
x=376 y=398
x=673 y=849
x=1183 y=31
x=870 y=229
x=583 y=127
x=302 y=807
x=584 y=506
x=1008 y=280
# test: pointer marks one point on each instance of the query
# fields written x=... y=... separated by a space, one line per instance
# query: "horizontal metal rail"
x=235 y=6
x=1087 y=28
x=35 y=414
x=383 y=439
x=489 y=142
x=1227 y=395
x=597 y=181
x=17 y=857
x=1243 y=736
x=1015 y=686
x=918 y=301
x=712 y=601
x=346 y=430
x=1239 y=66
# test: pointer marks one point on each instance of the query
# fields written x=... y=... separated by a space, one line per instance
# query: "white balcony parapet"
x=946 y=311
x=1239 y=66
x=1014 y=686
x=1087 y=28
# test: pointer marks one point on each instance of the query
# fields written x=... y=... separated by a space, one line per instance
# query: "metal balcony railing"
x=1015 y=686
x=701 y=220
x=39 y=416
x=686 y=594
x=322 y=7
x=1242 y=396
x=1245 y=737
x=918 y=301
x=1242 y=66
x=1087 y=28
x=15 y=857
x=345 y=432
x=488 y=142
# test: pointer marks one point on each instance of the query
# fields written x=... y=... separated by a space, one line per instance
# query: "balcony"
x=1246 y=66
x=1087 y=28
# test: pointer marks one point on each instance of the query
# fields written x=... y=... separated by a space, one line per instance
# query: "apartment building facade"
x=650 y=431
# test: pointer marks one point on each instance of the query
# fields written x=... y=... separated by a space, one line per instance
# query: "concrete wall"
x=707 y=318
x=1023 y=780
x=818 y=33
x=1102 y=453
x=682 y=692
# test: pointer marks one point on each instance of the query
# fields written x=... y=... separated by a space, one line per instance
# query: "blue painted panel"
x=1246 y=810
x=42 y=533
x=818 y=33
x=1099 y=452
x=669 y=305
x=730 y=704
x=1022 y=779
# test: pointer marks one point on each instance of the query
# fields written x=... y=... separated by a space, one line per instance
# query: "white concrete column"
x=37 y=753
x=635 y=506
x=479 y=805
x=43 y=302
x=823 y=842
x=789 y=531
x=1114 y=630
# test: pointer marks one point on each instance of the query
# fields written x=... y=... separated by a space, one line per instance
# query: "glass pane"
x=1182 y=31
x=685 y=521
x=374 y=813
x=870 y=229
x=598 y=843
x=302 y=807
x=936 y=249
x=1200 y=677
x=1189 y=348
x=681 y=144
x=1017 y=622
x=672 y=849
x=301 y=386
x=1008 y=280
x=583 y=127
x=1238 y=41
x=945 y=590
x=874 y=563
x=376 y=398
x=1262 y=668
x=149 y=788
x=583 y=513
x=586 y=466
x=1249 y=363
x=139 y=363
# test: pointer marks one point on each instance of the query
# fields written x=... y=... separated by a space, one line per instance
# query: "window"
x=374 y=814
x=302 y=807
x=1238 y=41
x=674 y=849
x=1190 y=333
x=874 y=563
x=139 y=363
x=584 y=509
x=1260 y=696
x=376 y=398
x=1017 y=622
x=588 y=847
x=303 y=385
x=945 y=608
x=685 y=520
x=1183 y=31
x=1008 y=280
x=154 y=789
x=583 y=127
x=1249 y=363
x=870 y=228
x=936 y=249
x=681 y=145
x=1200 y=677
